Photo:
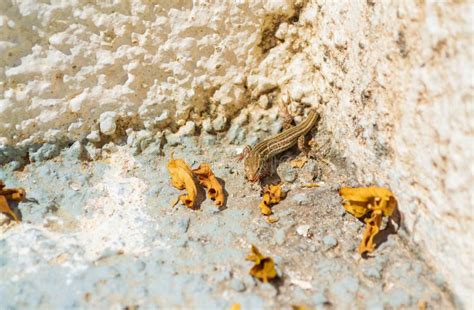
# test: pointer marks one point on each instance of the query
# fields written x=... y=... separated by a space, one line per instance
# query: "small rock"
x=290 y=175
x=320 y=299
x=45 y=152
x=280 y=236
x=94 y=136
x=183 y=224
x=263 y=101
x=110 y=147
x=233 y=132
x=398 y=298
x=219 y=123
x=371 y=272
x=237 y=285
x=329 y=242
x=107 y=122
x=248 y=281
x=208 y=140
x=222 y=276
x=269 y=289
x=303 y=230
x=75 y=151
x=207 y=125
x=300 y=198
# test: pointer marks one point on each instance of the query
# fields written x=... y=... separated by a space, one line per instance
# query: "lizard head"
x=252 y=168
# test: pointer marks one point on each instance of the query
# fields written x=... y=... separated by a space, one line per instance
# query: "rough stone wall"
x=392 y=82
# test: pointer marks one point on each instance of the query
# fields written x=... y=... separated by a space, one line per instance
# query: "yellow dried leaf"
x=263 y=268
x=182 y=178
x=271 y=219
x=359 y=201
x=373 y=226
x=311 y=185
x=272 y=194
x=15 y=194
x=299 y=162
x=235 y=307
x=208 y=180
x=373 y=202
x=299 y=307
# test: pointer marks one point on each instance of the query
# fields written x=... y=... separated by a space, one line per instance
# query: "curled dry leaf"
x=272 y=194
x=263 y=268
x=209 y=181
x=182 y=178
x=372 y=203
x=13 y=194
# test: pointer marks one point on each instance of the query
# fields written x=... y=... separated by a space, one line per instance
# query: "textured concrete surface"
x=104 y=234
x=392 y=82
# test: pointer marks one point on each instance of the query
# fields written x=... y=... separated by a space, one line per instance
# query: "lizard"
x=256 y=157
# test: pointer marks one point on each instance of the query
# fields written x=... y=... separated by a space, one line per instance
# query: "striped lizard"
x=256 y=158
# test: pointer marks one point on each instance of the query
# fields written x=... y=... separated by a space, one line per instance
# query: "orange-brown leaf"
x=182 y=178
x=5 y=208
x=373 y=226
x=15 y=194
x=263 y=268
x=209 y=181
x=359 y=201
x=235 y=307
x=273 y=194
x=370 y=203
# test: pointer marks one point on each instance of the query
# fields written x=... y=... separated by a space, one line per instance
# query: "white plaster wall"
x=393 y=83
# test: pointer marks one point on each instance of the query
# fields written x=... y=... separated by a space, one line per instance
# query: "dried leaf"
x=422 y=305
x=373 y=202
x=272 y=194
x=6 y=194
x=208 y=180
x=5 y=208
x=263 y=268
x=299 y=307
x=235 y=307
x=299 y=162
x=272 y=219
x=311 y=185
x=182 y=178
x=359 y=201
x=373 y=226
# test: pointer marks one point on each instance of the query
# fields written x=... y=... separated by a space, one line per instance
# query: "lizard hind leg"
x=304 y=147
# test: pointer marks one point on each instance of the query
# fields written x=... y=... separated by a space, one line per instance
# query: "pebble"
x=45 y=152
x=303 y=230
x=398 y=298
x=75 y=151
x=329 y=242
x=320 y=299
x=206 y=125
x=183 y=225
x=371 y=272
x=300 y=198
x=94 y=136
x=279 y=236
x=237 y=285
x=107 y=122
x=290 y=175
x=219 y=123
x=269 y=289
x=208 y=139
x=345 y=288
